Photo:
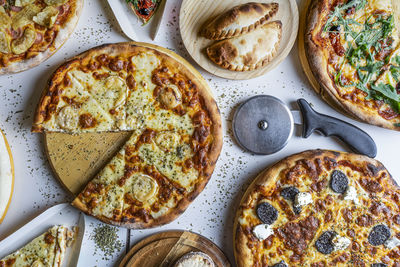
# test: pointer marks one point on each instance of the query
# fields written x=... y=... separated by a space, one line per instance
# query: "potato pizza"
x=175 y=124
x=353 y=48
x=320 y=208
x=32 y=30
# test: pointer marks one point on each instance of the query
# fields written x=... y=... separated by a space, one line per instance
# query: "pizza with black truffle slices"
x=353 y=48
x=320 y=208
x=175 y=123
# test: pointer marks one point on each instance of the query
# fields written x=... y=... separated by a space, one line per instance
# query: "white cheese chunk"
x=262 y=231
x=302 y=199
x=340 y=242
x=392 y=243
x=351 y=194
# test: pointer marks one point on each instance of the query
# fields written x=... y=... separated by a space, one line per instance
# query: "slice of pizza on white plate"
x=48 y=249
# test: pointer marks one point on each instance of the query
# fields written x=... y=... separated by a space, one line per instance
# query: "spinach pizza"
x=353 y=50
x=320 y=208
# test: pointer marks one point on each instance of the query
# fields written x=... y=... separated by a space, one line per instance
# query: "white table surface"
x=212 y=213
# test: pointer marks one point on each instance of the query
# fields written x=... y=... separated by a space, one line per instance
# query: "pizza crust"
x=183 y=68
x=60 y=39
x=317 y=60
x=268 y=179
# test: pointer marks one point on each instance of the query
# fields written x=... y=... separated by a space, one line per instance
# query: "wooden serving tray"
x=194 y=14
x=165 y=248
x=76 y=159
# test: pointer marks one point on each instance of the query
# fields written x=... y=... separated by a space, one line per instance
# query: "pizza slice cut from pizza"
x=145 y=183
x=144 y=9
x=47 y=249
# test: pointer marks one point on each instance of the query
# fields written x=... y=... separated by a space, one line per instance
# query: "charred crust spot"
x=116 y=64
x=49 y=238
x=131 y=82
x=374 y=171
x=87 y=121
x=297 y=234
x=364 y=220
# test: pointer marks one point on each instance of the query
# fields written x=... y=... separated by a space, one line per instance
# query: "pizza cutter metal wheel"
x=264 y=124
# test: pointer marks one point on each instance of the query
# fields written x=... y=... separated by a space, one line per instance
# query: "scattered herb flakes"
x=106 y=240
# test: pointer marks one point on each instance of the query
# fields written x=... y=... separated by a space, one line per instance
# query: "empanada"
x=239 y=20
x=248 y=51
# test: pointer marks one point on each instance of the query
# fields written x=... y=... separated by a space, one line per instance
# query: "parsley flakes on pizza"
x=320 y=208
x=32 y=30
x=175 y=124
x=353 y=49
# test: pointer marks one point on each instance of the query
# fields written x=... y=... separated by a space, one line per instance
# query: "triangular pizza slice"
x=48 y=249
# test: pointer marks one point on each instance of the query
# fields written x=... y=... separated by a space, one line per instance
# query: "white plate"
x=131 y=25
x=62 y=214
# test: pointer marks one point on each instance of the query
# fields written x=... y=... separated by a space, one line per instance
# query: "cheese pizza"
x=48 y=249
x=32 y=30
x=320 y=208
x=175 y=124
x=353 y=48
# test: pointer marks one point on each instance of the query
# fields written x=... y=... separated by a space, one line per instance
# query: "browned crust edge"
x=318 y=64
x=222 y=34
x=269 y=176
x=210 y=105
x=62 y=37
x=258 y=65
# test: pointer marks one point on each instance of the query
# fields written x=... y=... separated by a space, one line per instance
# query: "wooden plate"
x=76 y=159
x=194 y=14
x=165 y=248
x=304 y=6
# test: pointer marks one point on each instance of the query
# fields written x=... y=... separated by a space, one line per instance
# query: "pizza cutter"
x=264 y=124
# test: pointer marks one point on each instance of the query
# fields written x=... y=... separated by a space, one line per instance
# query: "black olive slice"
x=267 y=213
x=324 y=242
x=289 y=193
x=378 y=265
x=339 y=182
x=378 y=235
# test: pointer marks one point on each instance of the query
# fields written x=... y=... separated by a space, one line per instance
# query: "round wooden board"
x=194 y=14
x=304 y=6
x=165 y=248
x=76 y=159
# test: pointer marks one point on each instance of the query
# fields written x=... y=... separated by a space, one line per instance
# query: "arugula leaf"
x=387 y=90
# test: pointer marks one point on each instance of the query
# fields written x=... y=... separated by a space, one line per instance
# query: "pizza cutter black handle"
x=358 y=140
